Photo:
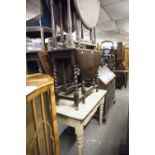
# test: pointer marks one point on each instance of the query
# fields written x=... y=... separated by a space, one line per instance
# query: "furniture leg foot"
x=80 y=145
x=79 y=136
x=101 y=114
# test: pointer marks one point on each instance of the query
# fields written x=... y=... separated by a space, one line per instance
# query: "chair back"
x=41 y=120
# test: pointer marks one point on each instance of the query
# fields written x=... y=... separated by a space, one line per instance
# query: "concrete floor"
x=101 y=139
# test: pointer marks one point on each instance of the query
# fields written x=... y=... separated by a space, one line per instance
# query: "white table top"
x=67 y=108
x=30 y=89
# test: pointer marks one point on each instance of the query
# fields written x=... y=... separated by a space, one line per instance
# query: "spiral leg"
x=55 y=81
x=97 y=82
x=83 y=89
x=76 y=93
x=64 y=76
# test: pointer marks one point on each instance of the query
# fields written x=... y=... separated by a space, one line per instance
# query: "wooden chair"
x=45 y=63
x=41 y=119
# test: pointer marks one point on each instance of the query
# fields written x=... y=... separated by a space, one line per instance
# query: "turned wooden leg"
x=70 y=37
x=42 y=36
x=91 y=35
x=55 y=77
x=76 y=100
x=94 y=35
x=54 y=40
x=94 y=82
x=82 y=31
x=79 y=137
x=83 y=89
x=61 y=23
x=76 y=93
x=64 y=76
x=101 y=114
x=75 y=77
x=55 y=81
x=78 y=30
x=97 y=82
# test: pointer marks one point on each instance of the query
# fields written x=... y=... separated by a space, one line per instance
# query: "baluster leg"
x=79 y=135
x=101 y=114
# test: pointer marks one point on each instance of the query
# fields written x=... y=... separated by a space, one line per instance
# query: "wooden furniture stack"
x=122 y=65
x=67 y=56
x=107 y=82
x=41 y=119
x=70 y=71
x=120 y=51
x=126 y=60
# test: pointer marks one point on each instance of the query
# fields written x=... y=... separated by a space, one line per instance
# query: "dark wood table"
x=125 y=73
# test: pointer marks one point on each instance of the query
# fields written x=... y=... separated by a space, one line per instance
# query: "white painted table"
x=79 y=118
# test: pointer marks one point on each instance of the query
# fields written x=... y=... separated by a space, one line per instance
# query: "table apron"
x=74 y=122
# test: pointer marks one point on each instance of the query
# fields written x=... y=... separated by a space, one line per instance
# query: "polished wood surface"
x=89 y=61
x=126 y=60
x=121 y=77
x=122 y=65
x=41 y=119
x=45 y=63
x=120 y=52
x=38 y=79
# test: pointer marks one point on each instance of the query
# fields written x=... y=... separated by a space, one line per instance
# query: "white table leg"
x=101 y=114
x=79 y=136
